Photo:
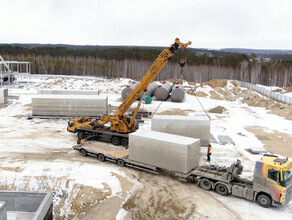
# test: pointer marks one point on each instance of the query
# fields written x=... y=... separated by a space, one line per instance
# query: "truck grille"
x=288 y=194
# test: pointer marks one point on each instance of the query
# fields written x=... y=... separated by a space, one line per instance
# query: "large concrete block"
x=197 y=126
x=68 y=92
x=3 y=95
x=3 y=211
x=28 y=205
x=166 y=151
x=69 y=105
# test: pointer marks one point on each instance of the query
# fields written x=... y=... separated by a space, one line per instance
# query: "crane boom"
x=154 y=69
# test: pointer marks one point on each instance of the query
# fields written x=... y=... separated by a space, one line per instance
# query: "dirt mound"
x=219 y=110
x=175 y=111
x=200 y=94
x=214 y=83
x=215 y=95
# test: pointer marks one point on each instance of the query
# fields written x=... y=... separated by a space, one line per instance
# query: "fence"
x=274 y=95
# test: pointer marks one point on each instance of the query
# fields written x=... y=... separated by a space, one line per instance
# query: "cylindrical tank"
x=128 y=89
x=151 y=89
x=162 y=92
x=178 y=93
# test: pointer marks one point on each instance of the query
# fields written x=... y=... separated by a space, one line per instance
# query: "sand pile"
x=219 y=110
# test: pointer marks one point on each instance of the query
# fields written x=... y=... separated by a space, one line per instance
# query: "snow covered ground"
x=37 y=155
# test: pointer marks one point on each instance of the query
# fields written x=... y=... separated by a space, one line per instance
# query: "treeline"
x=134 y=62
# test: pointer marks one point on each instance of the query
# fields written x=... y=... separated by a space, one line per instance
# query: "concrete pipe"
x=128 y=89
x=151 y=89
x=178 y=93
x=162 y=92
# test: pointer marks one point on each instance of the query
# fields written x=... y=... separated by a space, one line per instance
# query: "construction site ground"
x=36 y=154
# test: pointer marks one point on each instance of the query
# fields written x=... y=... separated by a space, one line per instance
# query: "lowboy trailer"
x=272 y=184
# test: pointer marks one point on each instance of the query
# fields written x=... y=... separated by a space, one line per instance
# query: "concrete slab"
x=257 y=151
x=197 y=126
x=28 y=205
x=224 y=139
x=166 y=151
x=3 y=211
x=69 y=105
x=3 y=95
x=213 y=139
x=68 y=92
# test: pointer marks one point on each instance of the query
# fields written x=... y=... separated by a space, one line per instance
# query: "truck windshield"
x=287 y=177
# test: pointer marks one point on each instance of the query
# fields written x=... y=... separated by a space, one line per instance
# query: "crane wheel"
x=116 y=140
x=221 y=189
x=124 y=141
x=205 y=184
x=264 y=201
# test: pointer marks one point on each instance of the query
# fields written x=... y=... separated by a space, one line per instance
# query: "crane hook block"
x=182 y=62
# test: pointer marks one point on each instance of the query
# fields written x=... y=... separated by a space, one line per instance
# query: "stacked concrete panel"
x=69 y=105
x=177 y=93
x=163 y=91
x=197 y=126
x=166 y=151
x=27 y=205
x=68 y=92
x=3 y=95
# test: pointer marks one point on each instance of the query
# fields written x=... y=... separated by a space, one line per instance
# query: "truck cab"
x=273 y=181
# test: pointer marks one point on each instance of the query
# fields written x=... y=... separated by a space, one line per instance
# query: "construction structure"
x=11 y=71
x=69 y=105
x=26 y=205
x=197 y=126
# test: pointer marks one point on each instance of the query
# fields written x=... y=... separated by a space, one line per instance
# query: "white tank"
x=162 y=92
x=178 y=93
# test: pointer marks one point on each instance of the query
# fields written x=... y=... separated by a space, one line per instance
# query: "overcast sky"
x=262 y=24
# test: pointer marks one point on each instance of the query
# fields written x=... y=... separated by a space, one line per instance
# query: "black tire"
x=120 y=162
x=81 y=134
x=124 y=141
x=205 y=184
x=83 y=152
x=101 y=157
x=264 y=201
x=221 y=189
x=116 y=140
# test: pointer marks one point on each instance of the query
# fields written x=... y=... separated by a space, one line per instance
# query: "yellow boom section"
x=154 y=69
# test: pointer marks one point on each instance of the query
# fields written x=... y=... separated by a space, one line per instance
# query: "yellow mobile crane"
x=121 y=125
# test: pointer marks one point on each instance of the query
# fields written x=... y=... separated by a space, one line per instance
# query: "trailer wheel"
x=101 y=157
x=120 y=162
x=83 y=152
x=124 y=141
x=116 y=140
x=221 y=189
x=264 y=201
x=205 y=184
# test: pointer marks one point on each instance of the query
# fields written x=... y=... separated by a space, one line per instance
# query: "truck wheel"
x=101 y=157
x=120 y=162
x=124 y=141
x=83 y=152
x=264 y=201
x=221 y=189
x=205 y=184
x=116 y=140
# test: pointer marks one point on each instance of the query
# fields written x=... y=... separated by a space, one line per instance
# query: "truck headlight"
x=71 y=123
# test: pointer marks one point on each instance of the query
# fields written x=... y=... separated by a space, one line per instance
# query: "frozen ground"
x=37 y=155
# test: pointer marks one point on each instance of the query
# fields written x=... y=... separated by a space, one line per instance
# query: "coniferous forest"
x=133 y=62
